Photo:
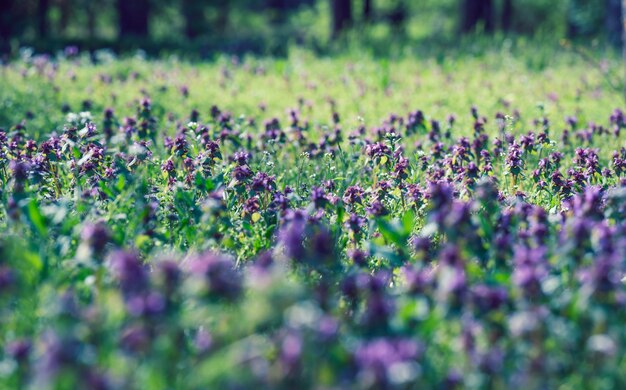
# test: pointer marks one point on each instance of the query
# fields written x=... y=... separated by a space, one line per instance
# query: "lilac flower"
x=251 y=206
x=358 y=257
x=96 y=236
x=168 y=276
x=291 y=350
x=168 y=166
x=241 y=157
x=377 y=150
x=292 y=237
x=8 y=278
x=418 y=281
x=604 y=275
x=221 y=279
x=353 y=194
x=135 y=339
x=130 y=272
x=513 y=160
x=487 y=298
x=19 y=350
x=203 y=341
x=318 y=196
x=242 y=173
x=491 y=362
x=377 y=208
x=355 y=223
x=529 y=270
x=379 y=358
x=263 y=182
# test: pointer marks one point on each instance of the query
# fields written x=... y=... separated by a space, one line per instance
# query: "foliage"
x=447 y=221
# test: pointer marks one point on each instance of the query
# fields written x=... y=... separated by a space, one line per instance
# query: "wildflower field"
x=312 y=222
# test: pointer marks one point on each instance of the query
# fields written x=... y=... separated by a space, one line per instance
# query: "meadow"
x=445 y=220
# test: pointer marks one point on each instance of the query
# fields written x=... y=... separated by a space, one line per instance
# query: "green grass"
x=364 y=88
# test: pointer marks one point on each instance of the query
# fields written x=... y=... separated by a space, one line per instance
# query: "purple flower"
x=487 y=298
x=291 y=350
x=203 y=341
x=8 y=278
x=242 y=173
x=241 y=157
x=96 y=236
x=251 y=206
x=400 y=171
x=61 y=353
x=604 y=275
x=379 y=358
x=450 y=256
x=418 y=281
x=318 y=196
x=218 y=273
x=353 y=194
x=491 y=361
x=292 y=237
x=358 y=257
x=377 y=150
x=441 y=195
x=19 y=350
x=168 y=275
x=135 y=338
x=131 y=274
x=263 y=182
x=168 y=166
x=355 y=223
x=377 y=208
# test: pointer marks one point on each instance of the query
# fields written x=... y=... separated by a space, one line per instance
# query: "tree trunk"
x=193 y=12
x=507 y=15
x=42 y=18
x=223 y=17
x=342 y=15
x=398 y=16
x=64 y=19
x=90 y=9
x=624 y=42
x=367 y=10
x=133 y=17
x=475 y=11
x=613 y=21
x=6 y=32
x=277 y=11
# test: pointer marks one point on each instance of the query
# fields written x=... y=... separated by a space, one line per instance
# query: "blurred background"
x=205 y=27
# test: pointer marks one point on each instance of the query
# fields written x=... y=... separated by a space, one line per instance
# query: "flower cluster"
x=145 y=248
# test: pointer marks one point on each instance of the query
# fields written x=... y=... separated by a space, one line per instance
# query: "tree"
x=506 y=17
x=223 y=16
x=14 y=18
x=368 y=10
x=133 y=17
x=473 y=12
x=613 y=21
x=91 y=10
x=193 y=13
x=42 y=18
x=398 y=16
x=6 y=11
x=278 y=11
x=341 y=16
x=624 y=39
x=65 y=11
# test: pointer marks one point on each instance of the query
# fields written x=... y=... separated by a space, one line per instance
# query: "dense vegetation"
x=313 y=222
x=204 y=28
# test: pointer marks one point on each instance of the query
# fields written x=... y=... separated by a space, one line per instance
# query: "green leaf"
x=36 y=219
